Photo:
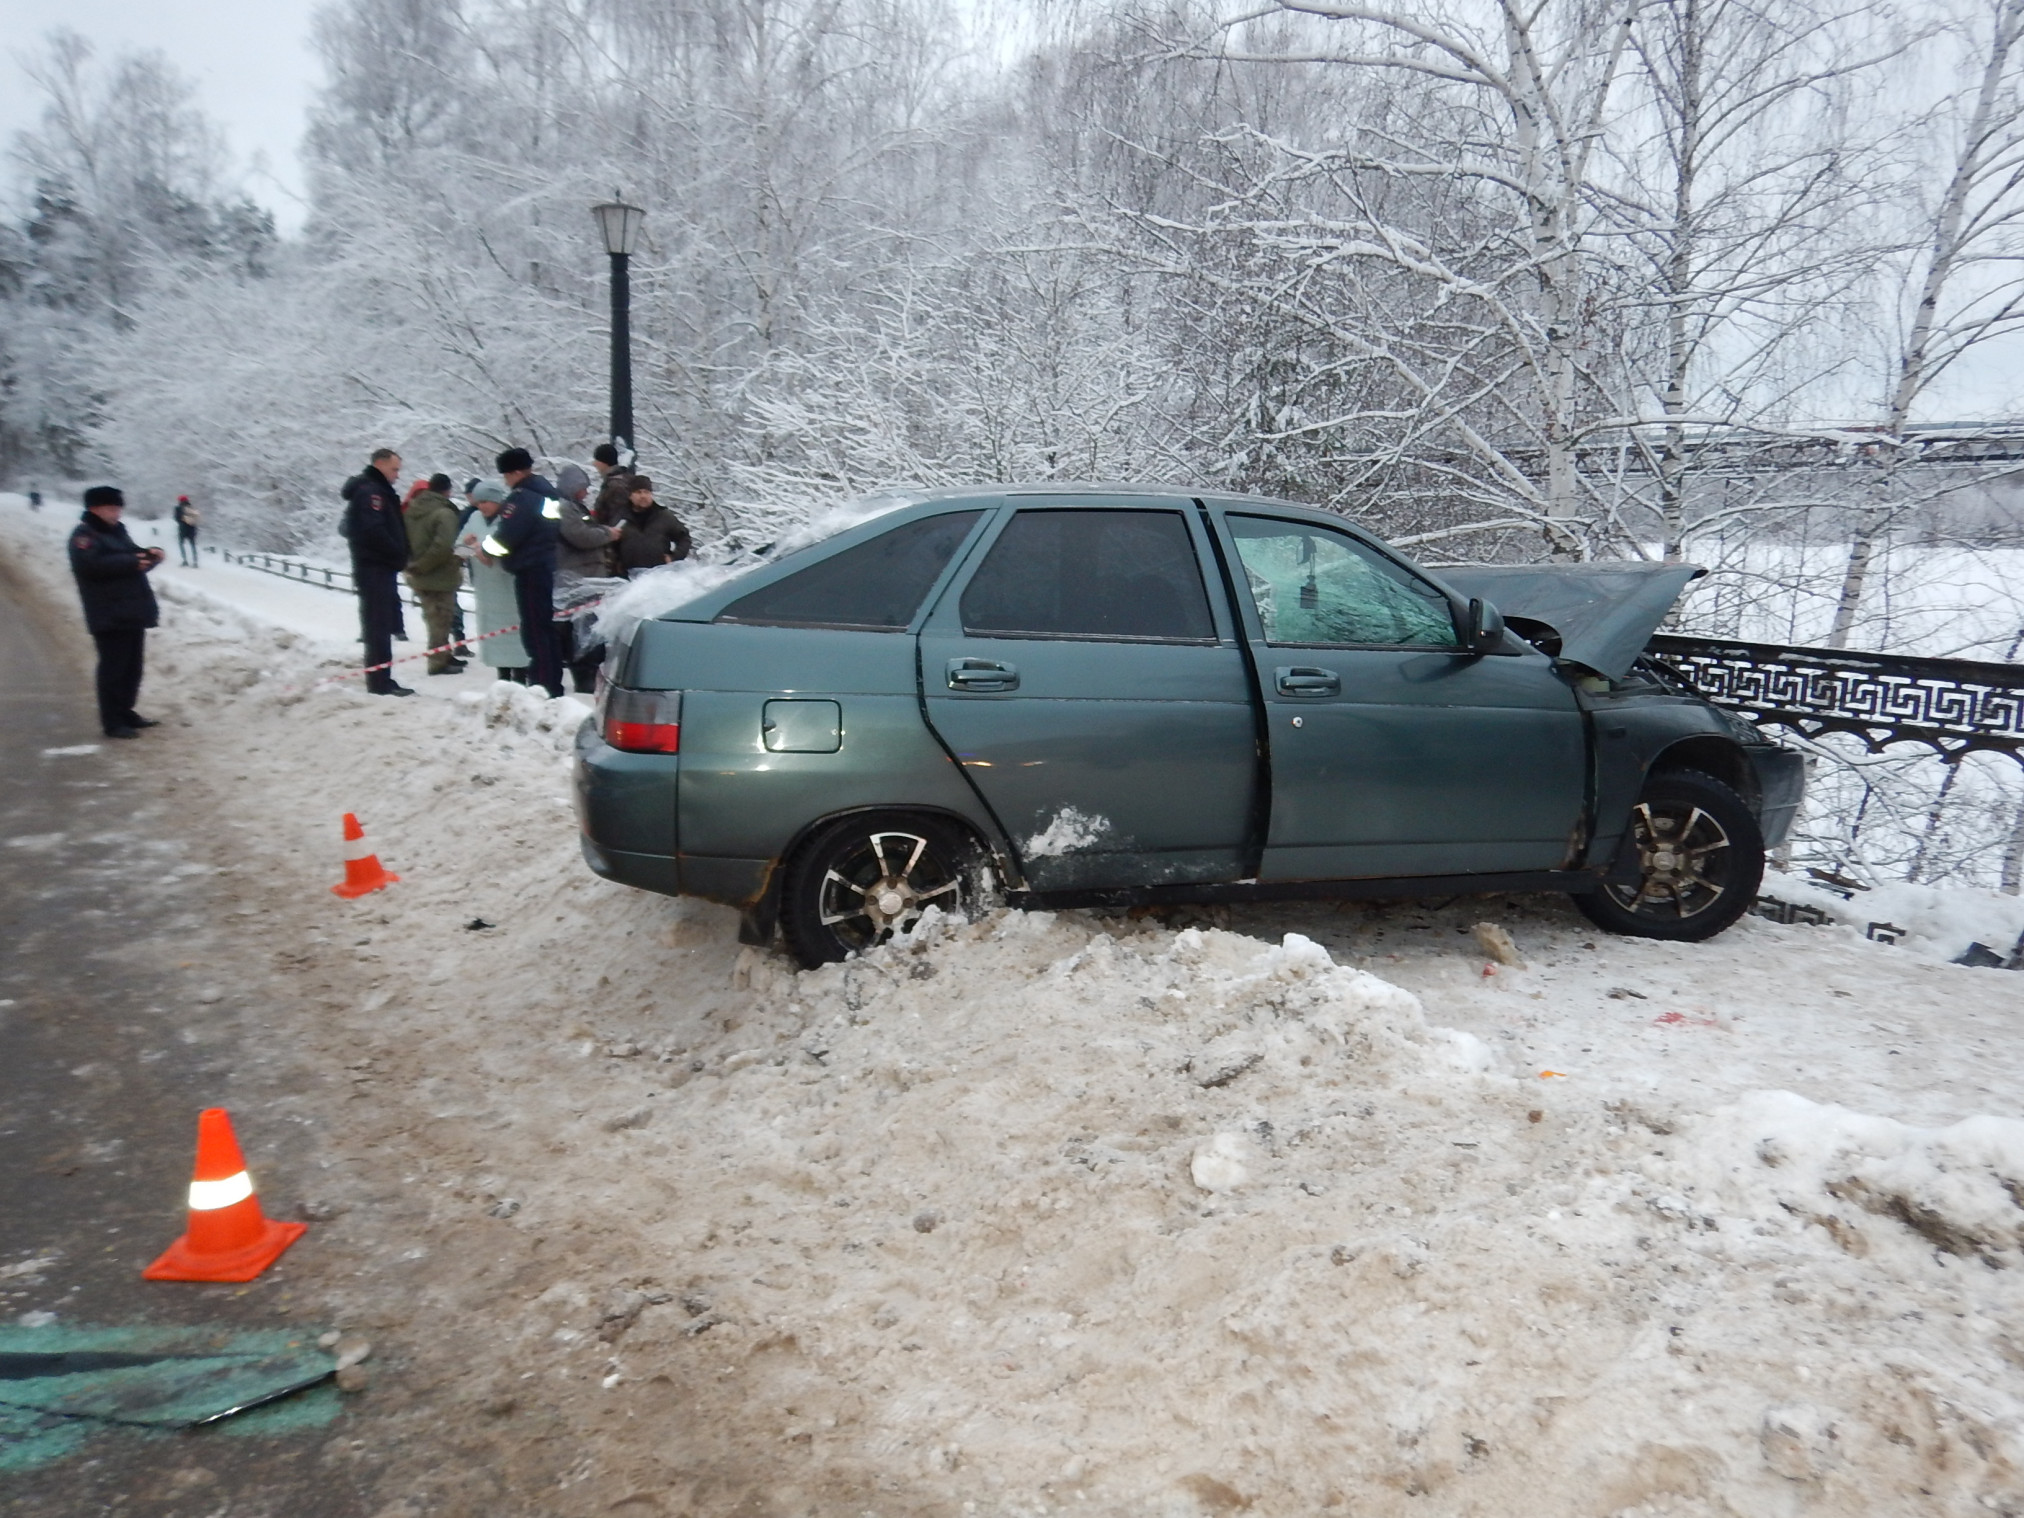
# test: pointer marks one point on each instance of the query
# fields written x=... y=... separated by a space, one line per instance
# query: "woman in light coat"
x=492 y=590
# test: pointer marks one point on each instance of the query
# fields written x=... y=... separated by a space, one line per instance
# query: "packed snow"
x=1435 y=1208
x=1069 y=829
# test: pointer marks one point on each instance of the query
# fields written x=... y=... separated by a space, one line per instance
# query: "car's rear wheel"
x=1700 y=860
x=860 y=879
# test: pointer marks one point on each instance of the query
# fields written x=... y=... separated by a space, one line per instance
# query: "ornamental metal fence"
x=1955 y=707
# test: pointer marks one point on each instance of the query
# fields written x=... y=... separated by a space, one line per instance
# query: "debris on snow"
x=1495 y=941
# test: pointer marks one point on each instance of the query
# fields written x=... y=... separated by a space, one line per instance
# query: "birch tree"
x=1508 y=104
x=1962 y=285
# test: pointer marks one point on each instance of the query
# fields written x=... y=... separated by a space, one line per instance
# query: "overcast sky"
x=249 y=59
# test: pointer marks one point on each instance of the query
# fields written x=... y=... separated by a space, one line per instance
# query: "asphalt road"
x=118 y=1022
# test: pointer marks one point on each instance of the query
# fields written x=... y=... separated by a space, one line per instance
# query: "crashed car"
x=1072 y=696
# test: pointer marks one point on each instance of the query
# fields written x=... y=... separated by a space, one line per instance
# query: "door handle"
x=982 y=675
x=1305 y=680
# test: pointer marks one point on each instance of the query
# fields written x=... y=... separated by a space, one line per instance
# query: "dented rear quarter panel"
x=741 y=801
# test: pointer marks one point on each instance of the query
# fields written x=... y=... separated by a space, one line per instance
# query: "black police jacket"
x=373 y=522
x=527 y=527
x=116 y=593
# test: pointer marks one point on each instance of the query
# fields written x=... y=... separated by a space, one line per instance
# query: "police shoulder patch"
x=81 y=542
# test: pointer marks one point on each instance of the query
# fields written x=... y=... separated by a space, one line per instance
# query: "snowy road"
x=115 y=1030
x=1110 y=1215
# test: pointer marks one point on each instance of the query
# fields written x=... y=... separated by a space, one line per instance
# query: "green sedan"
x=1088 y=696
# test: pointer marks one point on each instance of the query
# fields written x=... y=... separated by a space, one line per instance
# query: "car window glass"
x=877 y=586
x=1091 y=574
x=1312 y=585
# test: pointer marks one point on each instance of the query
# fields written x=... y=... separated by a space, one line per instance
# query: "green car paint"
x=1309 y=722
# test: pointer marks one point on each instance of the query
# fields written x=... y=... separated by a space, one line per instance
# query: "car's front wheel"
x=860 y=879
x=1700 y=860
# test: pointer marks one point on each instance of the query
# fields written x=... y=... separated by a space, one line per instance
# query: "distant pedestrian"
x=379 y=552
x=614 y=483
x=186 y=532
x=523 y=539
x=494 y=607
x=34 y=500
x=651 y=534
x=434 y=570
x=119 y=605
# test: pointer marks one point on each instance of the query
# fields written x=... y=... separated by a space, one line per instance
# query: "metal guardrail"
x=1953 y=706
x=328 y=576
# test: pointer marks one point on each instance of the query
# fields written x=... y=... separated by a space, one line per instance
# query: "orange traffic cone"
x=229 y=1237
x=363 y=871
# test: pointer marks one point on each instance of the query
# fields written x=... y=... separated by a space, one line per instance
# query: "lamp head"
x=620 y=225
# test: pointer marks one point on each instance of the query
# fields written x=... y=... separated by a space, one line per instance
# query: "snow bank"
x=1870 y=1182
x=1938 y=923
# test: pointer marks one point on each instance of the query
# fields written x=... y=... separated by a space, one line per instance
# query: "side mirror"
x=1486 y=627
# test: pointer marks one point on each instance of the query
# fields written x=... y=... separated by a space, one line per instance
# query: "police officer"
x=119 y=605
x=379 y=552
x=522 y=539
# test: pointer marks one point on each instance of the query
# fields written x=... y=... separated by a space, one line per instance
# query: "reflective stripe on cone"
x=209 y=1196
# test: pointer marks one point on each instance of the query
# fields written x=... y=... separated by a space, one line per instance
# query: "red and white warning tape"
x=454 y=643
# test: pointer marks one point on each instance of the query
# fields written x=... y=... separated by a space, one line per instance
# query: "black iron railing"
x=1953 y=706
x=329 y=576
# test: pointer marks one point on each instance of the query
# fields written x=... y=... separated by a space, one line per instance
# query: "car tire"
x=1691 y=898
x=857 y=880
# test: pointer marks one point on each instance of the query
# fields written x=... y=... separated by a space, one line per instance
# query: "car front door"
x=1395 y=751
x=1097 y=697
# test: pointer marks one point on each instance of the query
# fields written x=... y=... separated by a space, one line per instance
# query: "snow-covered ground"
x=1294 y=1210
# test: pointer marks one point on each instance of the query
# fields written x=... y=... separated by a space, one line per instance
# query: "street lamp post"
x=620 y=225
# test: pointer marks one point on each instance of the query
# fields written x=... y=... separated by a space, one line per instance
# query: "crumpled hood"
x=1603 y=614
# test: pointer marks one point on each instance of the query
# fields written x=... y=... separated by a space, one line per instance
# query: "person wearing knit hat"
x=434 y=571
x=492 y=595
x=119 y=605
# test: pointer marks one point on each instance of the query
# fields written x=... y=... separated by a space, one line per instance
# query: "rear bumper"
x=649 y=872
x=625 y=803
x=1781 y=781
x=626 y=811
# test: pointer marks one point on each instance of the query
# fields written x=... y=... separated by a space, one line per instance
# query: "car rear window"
x=1091 y=574
x=875 y=587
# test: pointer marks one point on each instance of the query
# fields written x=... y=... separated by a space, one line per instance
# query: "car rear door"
x=1394 y=750
x=1096 y=694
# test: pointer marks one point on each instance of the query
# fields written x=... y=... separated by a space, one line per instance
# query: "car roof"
x=1072 y=488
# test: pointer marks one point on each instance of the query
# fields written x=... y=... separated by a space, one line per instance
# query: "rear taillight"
x=643 y=721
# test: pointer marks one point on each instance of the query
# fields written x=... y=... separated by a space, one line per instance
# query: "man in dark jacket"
x=379 y=552
x=119 y=605
x=613 y=486
x=651 y=534
x=523 y=538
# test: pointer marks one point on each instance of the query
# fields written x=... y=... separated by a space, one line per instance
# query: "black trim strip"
x=1575 y=882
